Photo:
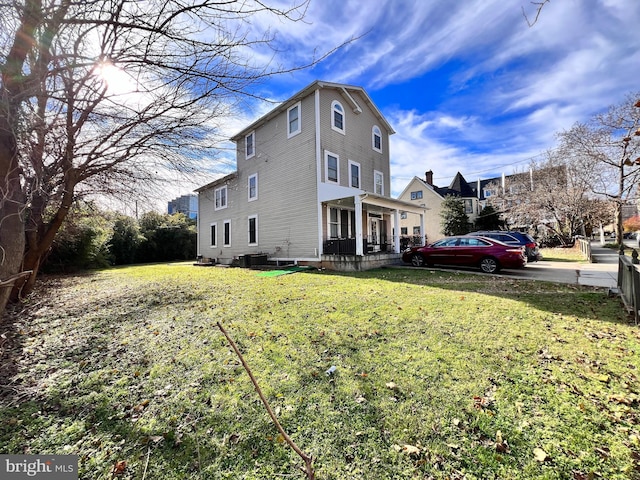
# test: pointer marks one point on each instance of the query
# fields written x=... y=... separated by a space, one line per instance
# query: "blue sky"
x=467 y=85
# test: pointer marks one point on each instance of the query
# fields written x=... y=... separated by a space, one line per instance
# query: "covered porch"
x=365 y=224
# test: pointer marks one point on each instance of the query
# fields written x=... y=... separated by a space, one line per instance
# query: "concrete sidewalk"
x=602 y=273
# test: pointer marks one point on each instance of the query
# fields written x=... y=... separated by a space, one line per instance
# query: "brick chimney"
x=428 y=176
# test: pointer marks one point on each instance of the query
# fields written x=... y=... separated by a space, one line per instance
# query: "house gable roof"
x=308 y=90
x=217 y=182
x=459 y=187
x=420 y=183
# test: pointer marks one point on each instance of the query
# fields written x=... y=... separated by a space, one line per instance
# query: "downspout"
x=198 y=235
x=396 y=231
x=318 y=172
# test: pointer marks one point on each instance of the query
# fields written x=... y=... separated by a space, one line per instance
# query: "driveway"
x=602 y=273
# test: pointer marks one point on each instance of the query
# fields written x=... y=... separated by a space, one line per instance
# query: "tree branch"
x=308 y=460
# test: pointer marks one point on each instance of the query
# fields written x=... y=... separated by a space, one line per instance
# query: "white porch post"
x=422 y=241
x=358 y=204
x=396 y=231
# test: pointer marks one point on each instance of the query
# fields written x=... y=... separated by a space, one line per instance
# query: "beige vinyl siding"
x=286 y=205
x=355 y=144
x=207 y=215
x=433 y=201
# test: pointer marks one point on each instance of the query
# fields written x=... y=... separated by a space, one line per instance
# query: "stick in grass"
x=308 y=460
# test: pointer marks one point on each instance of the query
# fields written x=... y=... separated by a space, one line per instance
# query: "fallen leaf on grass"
x=411 y=449
x=501 y=445
x=540 y=455
x=119 y=467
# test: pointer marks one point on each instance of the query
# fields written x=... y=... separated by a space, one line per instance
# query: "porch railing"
x=347 y=246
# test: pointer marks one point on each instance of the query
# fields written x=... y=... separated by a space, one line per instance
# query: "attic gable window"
x=337 y=117
x=249 y=144
x=293 y=120
x=417 y=195
x=376 y=139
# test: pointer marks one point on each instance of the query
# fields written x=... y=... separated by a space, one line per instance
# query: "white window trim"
x=225 y=223
x=373 y=138
x=344 y=119
x=375 y=174
x=254 y=244
x=226 y=198
x=327 y=153
x=295 y=132
x=213 y=240
x=350 y=220
x=246 y=154
x=351 y=162
x=249 y=198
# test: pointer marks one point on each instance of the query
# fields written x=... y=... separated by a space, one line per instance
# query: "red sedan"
x=485 y=253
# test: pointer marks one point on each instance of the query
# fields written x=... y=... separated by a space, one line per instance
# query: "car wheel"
x=489 y=265
x=417 y=260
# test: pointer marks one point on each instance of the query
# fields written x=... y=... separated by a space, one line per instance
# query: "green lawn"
x=562 y=254
x=438 y=375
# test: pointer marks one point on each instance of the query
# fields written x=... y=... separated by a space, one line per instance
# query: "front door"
x=374 y=233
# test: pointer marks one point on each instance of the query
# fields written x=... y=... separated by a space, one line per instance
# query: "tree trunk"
x=12 y=200
x=11 y=233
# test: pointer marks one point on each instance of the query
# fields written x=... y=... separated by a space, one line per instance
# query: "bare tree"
x=606 y=151
x=101 y=95
x=538 y=5
x=553 y=198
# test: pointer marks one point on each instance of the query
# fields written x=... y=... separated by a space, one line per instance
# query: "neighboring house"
x=312 y=186
x=500 y=192
x=423 y=193
x=187 y=204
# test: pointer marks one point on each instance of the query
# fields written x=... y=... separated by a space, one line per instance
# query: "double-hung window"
x=252 y=187
x=468 y=205
x=250 y=145
x=227 y=233
x=376 y=139
x=337 y=117
x=378 y=182
x=417 y=195
x=332 y=172
x=213 y=228
x=342 y=223
x=220 y=198
x=294 y=126
x=354 y=174
x=253 y=230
